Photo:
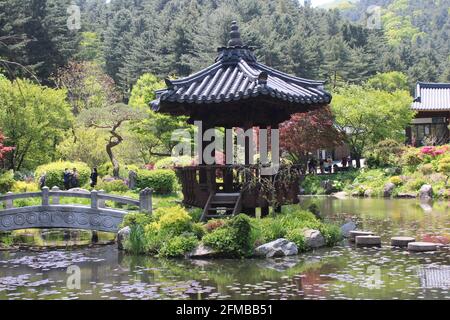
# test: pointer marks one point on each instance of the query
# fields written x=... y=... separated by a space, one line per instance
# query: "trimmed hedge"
x=55 y=173
x=161 y=181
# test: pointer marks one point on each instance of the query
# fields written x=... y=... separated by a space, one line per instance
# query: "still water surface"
x=341 y=272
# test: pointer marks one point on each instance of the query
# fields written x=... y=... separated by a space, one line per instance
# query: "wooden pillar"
x=228 y=158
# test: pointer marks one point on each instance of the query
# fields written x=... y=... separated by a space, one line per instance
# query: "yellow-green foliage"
x=175 y=220
x=396 y=180
x=55 y=173
x=6 y=181
x=23 y=186
x=426 y=168
x=444 y=165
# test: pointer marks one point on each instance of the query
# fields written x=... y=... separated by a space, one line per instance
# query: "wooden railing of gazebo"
x=198 y=182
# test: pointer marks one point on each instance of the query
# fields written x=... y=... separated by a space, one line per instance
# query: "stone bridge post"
x=94 y=199
x=145 y=201
x=45 y=196
x=9 y=203
x=55 y=198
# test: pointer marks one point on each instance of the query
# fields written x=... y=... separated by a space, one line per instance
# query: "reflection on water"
x=342 y=272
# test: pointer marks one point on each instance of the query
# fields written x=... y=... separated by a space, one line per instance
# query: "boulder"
x=340 y=195
x=407 y=195
x=388 y=189
x=202 y=252
x=327 y=185
x=278 y=248
x=346 y=228
x=122 y=236
x=426 y=192
x=313 y=238
x=368 y=193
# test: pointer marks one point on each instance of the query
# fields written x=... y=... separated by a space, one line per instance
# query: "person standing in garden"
x=75 y=178
x=94 y=177
x=42 y=179
x=67 y=176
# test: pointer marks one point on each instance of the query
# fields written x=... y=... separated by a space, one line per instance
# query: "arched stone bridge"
x=52 y=214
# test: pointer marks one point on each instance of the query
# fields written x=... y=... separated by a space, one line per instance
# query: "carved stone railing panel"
x=61 y=216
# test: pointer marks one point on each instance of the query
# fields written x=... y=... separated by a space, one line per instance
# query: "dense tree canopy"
x=366 y=116
x=34 y=118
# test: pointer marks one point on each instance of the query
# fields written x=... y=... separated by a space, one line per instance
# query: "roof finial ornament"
x=235 y=36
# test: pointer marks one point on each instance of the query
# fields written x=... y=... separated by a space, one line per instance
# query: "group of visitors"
x=327 y=165
x=72 y=178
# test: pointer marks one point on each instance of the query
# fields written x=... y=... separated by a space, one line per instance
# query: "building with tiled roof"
x=432 y=104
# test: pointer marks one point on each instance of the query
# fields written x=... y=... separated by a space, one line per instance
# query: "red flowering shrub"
x=3 y=149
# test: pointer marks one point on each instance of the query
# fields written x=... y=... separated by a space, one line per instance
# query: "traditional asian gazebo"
x=236 y=92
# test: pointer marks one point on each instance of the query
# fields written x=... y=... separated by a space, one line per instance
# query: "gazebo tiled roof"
x=236 y=75
x=432 y=97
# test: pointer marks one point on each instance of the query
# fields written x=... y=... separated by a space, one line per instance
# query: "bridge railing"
x=97 y=198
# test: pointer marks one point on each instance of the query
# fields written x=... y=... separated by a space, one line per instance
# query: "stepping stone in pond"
x=353 y=234
x=422 y=246
x=401 y=241
x=369 y=240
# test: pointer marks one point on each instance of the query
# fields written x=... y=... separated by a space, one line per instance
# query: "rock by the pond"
x=401 y=241
x=388 y=189
x=422 y=246
x=426 y=192
x=353 y=234
x=122 y=236
x=368 y=240
x=278 y=248
x=327 y=185
x=407 y=195
x=346 y=228
x=340 y=195
x=202 y=252
x=368 y=193
x=314 y=239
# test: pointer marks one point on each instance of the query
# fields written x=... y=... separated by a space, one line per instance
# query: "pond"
x=341 y=272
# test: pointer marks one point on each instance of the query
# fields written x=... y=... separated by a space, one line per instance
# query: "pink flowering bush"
x=434 y=151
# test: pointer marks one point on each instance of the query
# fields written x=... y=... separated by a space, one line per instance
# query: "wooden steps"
x=222 y=205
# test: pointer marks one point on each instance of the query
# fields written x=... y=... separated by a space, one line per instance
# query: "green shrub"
x=171 y=162
x=444 y=166
x=112 y=186
x=396 y=180
x=214 y=224
x=198 y=230
x=233 y=239
x=23 y=186
x=137 y=242
x=269 y=229
x=411 y=158
x=384 y=154
x=55 y=173
x=297 y=237
x=6 y=181
x=195 y=213
x=331 y=233
x=415 y=184
x=426 y=169
x=173 y=220
x=136 y=218
x=161 y=181
x=178 y=246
